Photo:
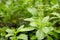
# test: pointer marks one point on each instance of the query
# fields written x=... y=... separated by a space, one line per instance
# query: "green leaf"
x=40 y=35
x=47 y=29
x=26 y=29
x=57 y=30
x=9 y=30
x=8 y=35
x=33 y=11
x=1 y=38
x=20 y=27
x=53 y=18
x=34 y=24
x=57 y=14
x=55 y=6
x=29 y=19
x=13 y=38
x=45 y=19
x=3 y=31
x=54 y=34
x=54 y=1
x=40 y=1
x=33 y=37
x=49 y=38
x=22 y=36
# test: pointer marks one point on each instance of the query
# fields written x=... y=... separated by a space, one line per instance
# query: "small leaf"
x=8 y=35
x=13 y=38
x=29 y=19
x=33 y=37
x=49 y=38
x=53 y=18
x=20 y=27
x=57 y=30
x=40 y=35
x=9 y=30
x=33 y=11
x=34 y=24
x=40 y=1
x=26 y=29
x=1 y=38
x=47 y=29
x=22 y=36
x=57 y=14
x=55 y=6
x=54 y=34
x=46 y=19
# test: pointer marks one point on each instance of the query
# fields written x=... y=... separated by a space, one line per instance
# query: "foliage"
x=29 y=19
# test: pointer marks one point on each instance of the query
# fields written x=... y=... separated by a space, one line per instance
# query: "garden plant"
x=29 y=19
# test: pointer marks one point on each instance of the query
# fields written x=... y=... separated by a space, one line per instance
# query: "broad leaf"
x=46 y=19
x=54 y=34
x=57 y=14
x=33 y=11
x=40 y=35
x=20 y=27
x=57 y=30
x=47 y=29
x=49 y=38
x=8 y=35
x=22 y=36
x=26 y=29
x=9 y=30
x=29 y=19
